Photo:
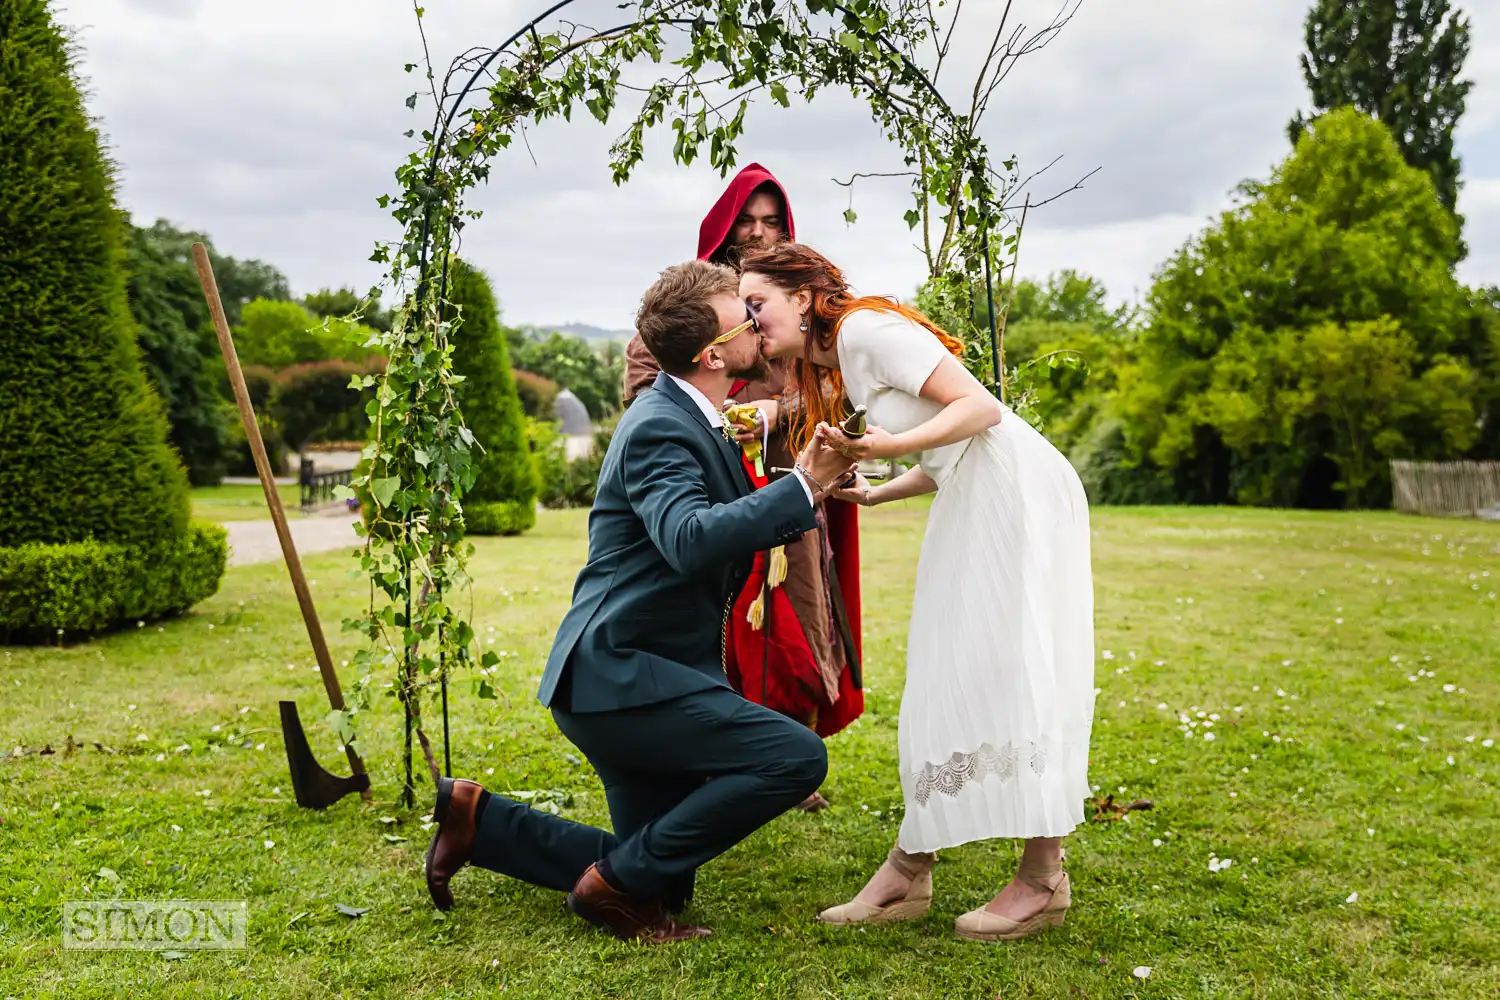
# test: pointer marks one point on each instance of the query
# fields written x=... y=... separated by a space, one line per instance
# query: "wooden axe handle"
x=273 y=498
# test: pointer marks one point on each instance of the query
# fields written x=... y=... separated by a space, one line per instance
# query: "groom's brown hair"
x=677 y=319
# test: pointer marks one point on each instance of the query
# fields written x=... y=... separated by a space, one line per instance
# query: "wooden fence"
x=1447 y=489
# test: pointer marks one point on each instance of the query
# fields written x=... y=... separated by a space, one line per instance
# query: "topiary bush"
x=503 y=499
x=84 y=438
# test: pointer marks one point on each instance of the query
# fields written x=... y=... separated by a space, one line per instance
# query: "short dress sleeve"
x=887 y=350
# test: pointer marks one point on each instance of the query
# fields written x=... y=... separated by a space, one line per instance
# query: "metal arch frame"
x=442 y=125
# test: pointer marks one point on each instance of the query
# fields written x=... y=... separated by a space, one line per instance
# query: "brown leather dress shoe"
x=626 y=916
x=457 y=803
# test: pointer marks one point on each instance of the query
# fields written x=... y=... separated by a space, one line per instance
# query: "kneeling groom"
x=635 y=678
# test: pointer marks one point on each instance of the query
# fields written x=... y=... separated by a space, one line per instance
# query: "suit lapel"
x=728 y=451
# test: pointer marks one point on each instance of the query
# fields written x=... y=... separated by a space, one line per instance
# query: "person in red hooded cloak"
x=793 y=645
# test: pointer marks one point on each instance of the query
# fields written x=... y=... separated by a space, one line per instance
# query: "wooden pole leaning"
x=273 y=501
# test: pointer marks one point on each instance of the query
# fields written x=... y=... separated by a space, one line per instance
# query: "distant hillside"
x=583 y=331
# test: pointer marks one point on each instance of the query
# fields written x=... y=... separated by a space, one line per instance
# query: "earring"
x=803 y=327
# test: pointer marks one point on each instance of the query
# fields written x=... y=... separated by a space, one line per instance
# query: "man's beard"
x=759 y=371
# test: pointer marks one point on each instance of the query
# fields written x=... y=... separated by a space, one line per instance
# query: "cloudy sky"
x=274 y=125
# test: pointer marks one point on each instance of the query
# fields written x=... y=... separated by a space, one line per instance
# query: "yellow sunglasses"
x=751 y=323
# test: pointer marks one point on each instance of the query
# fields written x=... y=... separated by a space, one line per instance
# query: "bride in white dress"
x=998 y=704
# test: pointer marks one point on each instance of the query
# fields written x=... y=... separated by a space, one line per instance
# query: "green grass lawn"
x=1347 y=663
x=241 y=502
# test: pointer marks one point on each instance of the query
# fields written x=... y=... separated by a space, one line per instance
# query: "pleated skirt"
x=999 y=696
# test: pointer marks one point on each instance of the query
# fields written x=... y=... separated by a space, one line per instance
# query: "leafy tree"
x=278 y=334
x=239 y=281
x=1344 y=233
x=1068 y=296
x=503 y=498
x=595 y=374
x=94 y=511
x=181 y=353
x=1398 y=60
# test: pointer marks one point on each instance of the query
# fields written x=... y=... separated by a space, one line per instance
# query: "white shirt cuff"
x=806 y=488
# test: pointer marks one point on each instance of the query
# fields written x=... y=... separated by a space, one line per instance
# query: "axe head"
x=314 y=787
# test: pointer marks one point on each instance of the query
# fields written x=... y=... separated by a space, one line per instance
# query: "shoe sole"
x=908 y=909
x=1028 y=928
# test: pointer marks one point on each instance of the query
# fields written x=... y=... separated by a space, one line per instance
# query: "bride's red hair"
x=793 y=267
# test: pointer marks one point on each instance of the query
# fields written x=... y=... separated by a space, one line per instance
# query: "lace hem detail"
x=950 y=777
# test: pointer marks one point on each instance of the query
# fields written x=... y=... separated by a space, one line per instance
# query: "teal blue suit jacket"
x=673 y=533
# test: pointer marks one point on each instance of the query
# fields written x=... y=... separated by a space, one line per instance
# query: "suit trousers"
x=685 y=780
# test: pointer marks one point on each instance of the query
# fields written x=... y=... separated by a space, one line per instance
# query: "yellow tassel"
x=756 y=616
x=777 y=574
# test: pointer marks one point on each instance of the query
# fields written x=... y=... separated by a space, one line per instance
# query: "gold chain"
x=724 y=634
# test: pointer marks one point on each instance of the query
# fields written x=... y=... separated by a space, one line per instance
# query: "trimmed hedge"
x=94 y=508
x=498 y=518
x=90 y=585
x=503 y=499
x=538 y=394
x=313 y=402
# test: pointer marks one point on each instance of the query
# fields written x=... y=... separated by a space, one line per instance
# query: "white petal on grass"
x=1353 y=898
x=1141 y=972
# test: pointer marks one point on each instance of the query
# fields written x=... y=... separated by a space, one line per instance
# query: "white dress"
x=999 y=699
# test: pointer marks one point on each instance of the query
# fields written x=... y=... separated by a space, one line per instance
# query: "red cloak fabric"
x=773 y=665
x=715 y=227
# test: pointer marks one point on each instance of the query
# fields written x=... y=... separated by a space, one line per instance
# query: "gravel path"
x=255 y=541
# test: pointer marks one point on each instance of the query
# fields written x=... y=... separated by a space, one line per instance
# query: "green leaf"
x=486 y=690
x=778 y=94
x=342 y=492
x=411 y=102
x=913 y=218
x=850 y=216
x=384 y=490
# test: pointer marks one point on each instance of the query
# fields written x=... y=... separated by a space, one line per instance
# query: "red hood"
x=720 y=219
